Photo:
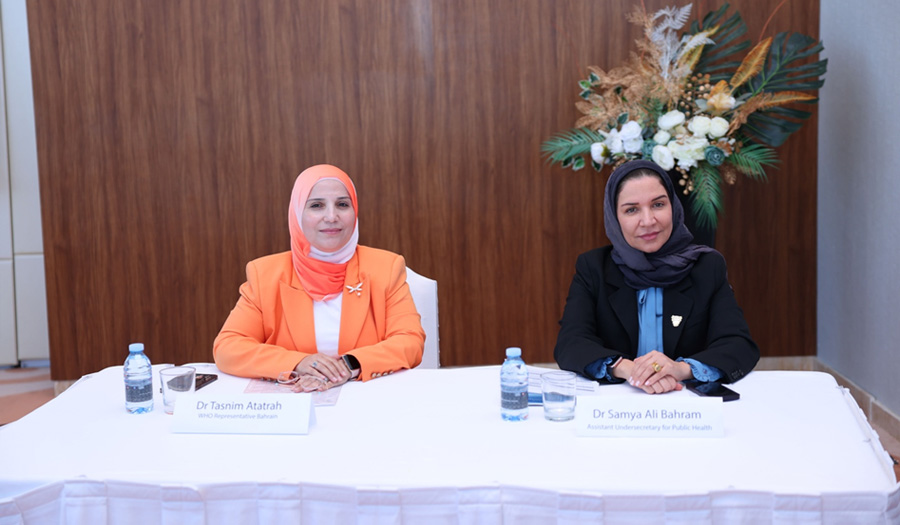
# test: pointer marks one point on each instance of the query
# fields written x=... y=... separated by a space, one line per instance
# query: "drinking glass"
x=558 y=389
x=175 y=380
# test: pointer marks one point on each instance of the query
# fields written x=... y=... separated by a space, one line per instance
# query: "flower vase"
x=705 y=235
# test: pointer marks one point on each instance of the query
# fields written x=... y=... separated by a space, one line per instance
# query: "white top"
x=327 y=319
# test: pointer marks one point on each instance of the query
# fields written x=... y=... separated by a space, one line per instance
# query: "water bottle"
x=514 y=386
x=138 y=380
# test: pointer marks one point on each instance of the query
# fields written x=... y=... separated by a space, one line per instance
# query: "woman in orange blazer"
x=328 y=309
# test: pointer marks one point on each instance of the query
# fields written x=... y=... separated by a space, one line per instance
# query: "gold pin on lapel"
x=676 y=320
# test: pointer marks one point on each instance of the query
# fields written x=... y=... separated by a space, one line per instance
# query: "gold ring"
x=656 y=367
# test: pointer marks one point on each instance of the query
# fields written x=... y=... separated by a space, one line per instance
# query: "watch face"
x=349 y=362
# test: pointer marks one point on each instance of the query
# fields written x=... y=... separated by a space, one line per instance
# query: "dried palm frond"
x=765 y=101
x=781 y=98
x=752 y=63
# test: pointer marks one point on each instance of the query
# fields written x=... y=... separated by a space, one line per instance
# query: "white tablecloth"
x=429 y=445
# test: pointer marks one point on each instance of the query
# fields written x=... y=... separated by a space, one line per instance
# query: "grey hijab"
x=671 y=263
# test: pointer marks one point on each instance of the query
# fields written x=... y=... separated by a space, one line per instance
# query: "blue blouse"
x=650 y=337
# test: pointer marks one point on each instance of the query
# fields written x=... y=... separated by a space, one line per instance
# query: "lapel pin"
x=676 y=320
x=357 y=289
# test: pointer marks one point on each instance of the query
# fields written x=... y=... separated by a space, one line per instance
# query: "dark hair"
x=637 y=174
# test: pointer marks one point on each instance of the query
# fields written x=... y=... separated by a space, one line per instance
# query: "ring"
x=656 y=367
x=316 y=363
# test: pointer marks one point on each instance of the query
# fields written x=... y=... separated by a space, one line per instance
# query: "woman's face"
x=328 y=218
x=644 y=213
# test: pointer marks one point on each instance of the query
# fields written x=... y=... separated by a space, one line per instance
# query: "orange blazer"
x=271 y=328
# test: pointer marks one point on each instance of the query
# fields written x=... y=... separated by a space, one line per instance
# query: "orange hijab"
x=321 y=273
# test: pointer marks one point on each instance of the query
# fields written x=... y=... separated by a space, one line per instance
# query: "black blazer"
x=601 y=317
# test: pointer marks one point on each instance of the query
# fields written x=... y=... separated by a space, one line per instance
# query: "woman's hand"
x=310 y=383
x=655 y=373
x=324 y=368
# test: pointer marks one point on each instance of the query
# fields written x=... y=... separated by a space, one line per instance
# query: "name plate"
x=649 y=416
x=243 y=414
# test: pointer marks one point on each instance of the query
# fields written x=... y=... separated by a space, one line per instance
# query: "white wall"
x=23 y=297
x=859 y=196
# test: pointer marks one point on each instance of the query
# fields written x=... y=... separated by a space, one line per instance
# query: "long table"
x=425 y=446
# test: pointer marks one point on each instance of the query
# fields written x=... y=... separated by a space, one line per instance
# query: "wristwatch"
x=351 y=362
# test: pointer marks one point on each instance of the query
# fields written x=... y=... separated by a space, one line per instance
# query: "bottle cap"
x=136 y=347
x=513 y=351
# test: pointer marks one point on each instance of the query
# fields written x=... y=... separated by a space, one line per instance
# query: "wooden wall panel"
x=170 y=132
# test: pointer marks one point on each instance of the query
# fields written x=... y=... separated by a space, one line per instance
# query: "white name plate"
x=243 y=414
x=649 y=416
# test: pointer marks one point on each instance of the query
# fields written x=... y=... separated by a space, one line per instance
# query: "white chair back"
x=424 y=293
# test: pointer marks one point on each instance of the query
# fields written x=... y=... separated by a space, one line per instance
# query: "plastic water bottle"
x=514 y=386
x=138 y=380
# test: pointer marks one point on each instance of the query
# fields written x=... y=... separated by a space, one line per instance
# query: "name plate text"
x=244 y=414
x=649 y=416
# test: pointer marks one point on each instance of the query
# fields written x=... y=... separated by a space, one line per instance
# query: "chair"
x=424 y=293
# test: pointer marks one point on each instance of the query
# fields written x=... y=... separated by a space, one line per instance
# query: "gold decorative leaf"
x=782 y=98
x=752 y=64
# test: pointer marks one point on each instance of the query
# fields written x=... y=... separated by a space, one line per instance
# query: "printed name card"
x=244 y=414
x=649 y=416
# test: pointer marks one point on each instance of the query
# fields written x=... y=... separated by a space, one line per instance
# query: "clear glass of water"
x=176 y=380
x=558 y=389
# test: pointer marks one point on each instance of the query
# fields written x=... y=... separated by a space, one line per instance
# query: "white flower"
x=718 y=127
x=661 y=137
x=614 y=142
x=631 y=137
x=720 y=102
x=663 y=157
x=599 y=152
x=670 y=120
x=699 y=125
x=688 y=151
x=680 y=131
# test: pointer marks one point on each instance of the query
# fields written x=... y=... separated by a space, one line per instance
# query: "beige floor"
x=22 y=390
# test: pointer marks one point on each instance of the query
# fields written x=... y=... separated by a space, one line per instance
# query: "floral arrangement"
x=686 y=103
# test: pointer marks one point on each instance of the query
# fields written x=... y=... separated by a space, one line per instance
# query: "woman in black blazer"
x=652 y=308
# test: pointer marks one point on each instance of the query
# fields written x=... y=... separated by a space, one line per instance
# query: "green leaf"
x=584 y=84
x=769 y=130
x=593 y=77
x=586 y=94
x=623 y=118
x=561 y=147
x=778 y=73
x=773 y=126
x=578 y=163
x=727 y=44
x=791 y=112
x=597 y=167
x=706 y=199
x=752 y=160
